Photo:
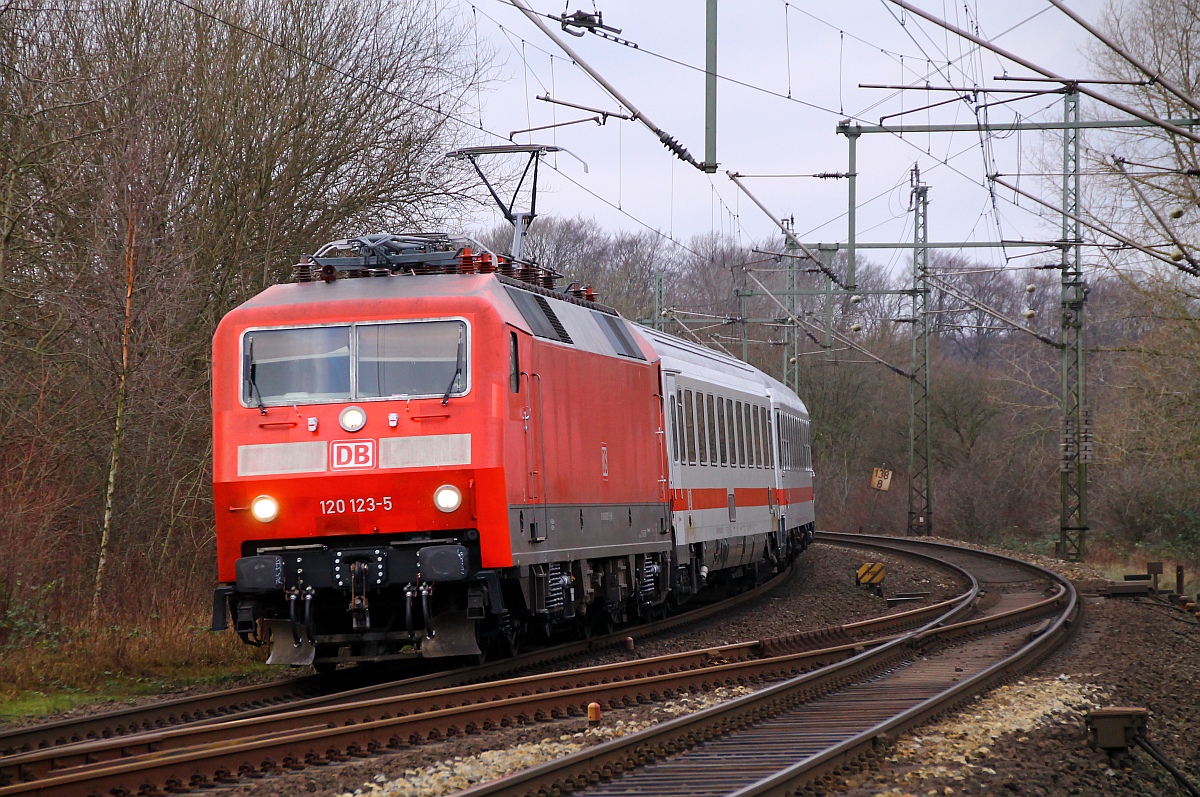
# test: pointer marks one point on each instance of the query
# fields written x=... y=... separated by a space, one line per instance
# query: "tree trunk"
x=118 y=427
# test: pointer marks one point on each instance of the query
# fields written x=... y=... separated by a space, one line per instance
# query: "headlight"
x=264 y=508
x=352 y=419
x=447 y=498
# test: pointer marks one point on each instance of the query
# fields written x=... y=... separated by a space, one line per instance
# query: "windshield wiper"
x=458 y=367
x=250 y=367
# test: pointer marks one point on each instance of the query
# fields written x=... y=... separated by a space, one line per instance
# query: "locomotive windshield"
x=351 y=362
x=409 y=359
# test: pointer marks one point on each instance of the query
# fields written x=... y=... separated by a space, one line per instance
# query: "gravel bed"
x=1030 y=738
x=820 y=592
x=1026 y=738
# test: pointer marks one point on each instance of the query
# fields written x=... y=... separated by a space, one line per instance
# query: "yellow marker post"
x=871 y=573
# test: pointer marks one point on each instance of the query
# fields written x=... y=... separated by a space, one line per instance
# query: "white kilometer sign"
x=881 y=479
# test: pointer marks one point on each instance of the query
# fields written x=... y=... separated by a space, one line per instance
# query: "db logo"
x=353 y=454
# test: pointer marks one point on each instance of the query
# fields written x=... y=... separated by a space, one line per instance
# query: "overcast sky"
x=790 y=71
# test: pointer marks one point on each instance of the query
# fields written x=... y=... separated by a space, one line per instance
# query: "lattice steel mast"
x=920 y=493
x=1076 y=441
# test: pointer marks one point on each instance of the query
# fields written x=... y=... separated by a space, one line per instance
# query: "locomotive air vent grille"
x=539 y=315
x=552 y=318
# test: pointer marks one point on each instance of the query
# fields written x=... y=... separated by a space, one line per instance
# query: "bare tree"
x=158 y=165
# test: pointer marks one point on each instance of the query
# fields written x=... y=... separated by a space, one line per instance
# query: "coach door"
x=672 y=420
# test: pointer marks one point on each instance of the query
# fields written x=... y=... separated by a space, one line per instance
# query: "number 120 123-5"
x=339 y=506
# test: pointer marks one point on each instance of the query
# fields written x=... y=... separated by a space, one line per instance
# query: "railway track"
x=345 y=685
x=780 y=739
x=381 y=718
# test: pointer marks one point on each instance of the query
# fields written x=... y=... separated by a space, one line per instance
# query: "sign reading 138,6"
x=881 y=479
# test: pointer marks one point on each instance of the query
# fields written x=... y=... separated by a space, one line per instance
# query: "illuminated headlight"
x=447 y=498
x=352 y=419
x=264 y=508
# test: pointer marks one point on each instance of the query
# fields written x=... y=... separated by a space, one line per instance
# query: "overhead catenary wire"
x=1079 y=86
x=1154 y=75
x=832 y=332
x=1120 y=164
x=945 y=162
x=1097 y=227
x=449 y=116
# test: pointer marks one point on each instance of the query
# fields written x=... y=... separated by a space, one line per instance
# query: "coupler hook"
x=427 y=607
x=359 y=611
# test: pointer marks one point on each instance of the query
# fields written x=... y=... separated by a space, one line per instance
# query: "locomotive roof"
x=566 y=319
x=367 y=288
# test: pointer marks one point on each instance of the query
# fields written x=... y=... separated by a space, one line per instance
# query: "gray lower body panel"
x=543 y=533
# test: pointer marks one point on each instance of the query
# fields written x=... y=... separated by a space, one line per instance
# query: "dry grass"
x=58 y=671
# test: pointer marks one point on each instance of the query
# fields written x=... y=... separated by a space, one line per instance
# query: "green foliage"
x=27 y=619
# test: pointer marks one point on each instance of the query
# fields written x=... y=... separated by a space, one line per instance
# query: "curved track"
x=782 y=738
x=812 y=666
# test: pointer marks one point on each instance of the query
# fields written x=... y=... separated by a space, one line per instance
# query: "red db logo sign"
x=353 y=454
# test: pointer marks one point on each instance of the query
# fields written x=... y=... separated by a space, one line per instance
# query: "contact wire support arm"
x=666 y=138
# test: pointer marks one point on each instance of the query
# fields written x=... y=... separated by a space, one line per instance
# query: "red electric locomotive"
x=422 y=449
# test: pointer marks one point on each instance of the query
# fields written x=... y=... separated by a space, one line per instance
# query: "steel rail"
x=799 y=650
x=1042 y=643
x=350 y=729
x=610 y=759
x=453 y=711
x=262 y=699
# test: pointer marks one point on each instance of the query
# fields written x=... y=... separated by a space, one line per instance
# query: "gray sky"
x=815 y=53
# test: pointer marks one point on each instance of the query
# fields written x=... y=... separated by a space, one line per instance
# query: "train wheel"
x=325 y=667
x=485 y=644
x=583 y=626
x=510 y=642
x=604 y=623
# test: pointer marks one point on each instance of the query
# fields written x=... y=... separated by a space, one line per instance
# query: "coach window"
x=680 y=436
x=710 y=413
x=744 y=433
x=780 y=438
x=768 y=459
x=735 y=415
x=289 y=366
x=807 y=447
x=760 y=457
x=793 y=448
x=747 y=447
x=785 y=446
x=674 y=419
x=750 y=461
x=701 y=435
x=762 y=437
x=732 y=432
x=721 y=431
x=767 y=441
x=799 y=435
x=748 y=423
x=766 y=436
x=689 y=423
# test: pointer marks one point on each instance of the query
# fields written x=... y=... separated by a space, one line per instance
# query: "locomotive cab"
x=357 y=467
